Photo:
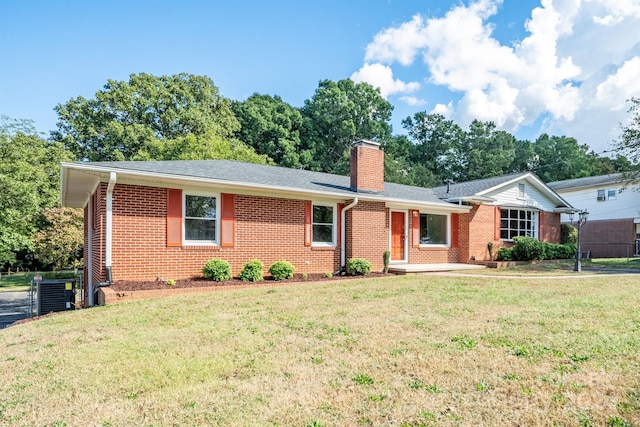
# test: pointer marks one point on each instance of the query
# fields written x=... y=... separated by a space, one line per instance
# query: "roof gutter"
x=109 y=226
x=343 y=234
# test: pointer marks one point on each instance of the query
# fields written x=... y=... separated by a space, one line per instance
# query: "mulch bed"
x=201 y=282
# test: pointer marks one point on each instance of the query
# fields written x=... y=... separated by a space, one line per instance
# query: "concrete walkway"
x=427 y=268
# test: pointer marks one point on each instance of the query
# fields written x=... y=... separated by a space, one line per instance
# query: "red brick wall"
x=367 y=232
x=269 y=229
x=550 y=227
x=613 y=238
x=477 y=228
x=367 y=168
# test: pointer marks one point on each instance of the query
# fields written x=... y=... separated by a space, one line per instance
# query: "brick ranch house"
x=144 y=220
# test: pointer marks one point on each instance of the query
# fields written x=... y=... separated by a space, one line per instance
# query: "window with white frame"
x=433 y=229
x=200 y=219
x=611 y=194
x=521 y=191
x=601 y=195
x=323 y=225
x=518 y=222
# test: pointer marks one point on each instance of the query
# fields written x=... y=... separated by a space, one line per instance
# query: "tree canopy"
x=628 y=146
x=124 y=118
x=29 y=183
x=338 y=114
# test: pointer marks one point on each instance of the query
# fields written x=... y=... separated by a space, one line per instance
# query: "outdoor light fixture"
x=582 y=218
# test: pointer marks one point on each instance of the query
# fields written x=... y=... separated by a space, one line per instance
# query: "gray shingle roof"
x=589 y=181
x=472 y=188
x=268 y=176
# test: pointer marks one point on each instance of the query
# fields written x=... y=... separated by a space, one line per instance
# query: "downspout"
x=109 y=226
x=88 y=258
x=343 y=234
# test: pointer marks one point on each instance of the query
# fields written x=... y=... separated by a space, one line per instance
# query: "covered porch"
x=428 y=268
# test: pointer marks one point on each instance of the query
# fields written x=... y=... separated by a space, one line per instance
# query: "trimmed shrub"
x=527 y=249
x=252 y=271
x=216 y=269
x=568 y=234
x=386 y=257
x=505 y=254
x=281 y=270
x=358 y=266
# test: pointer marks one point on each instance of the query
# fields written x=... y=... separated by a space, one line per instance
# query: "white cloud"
x=579 y=61
x=381 y=76
x=623 y=83
x=413 y=101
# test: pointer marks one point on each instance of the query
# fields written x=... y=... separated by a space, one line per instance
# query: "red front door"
x=397 y=236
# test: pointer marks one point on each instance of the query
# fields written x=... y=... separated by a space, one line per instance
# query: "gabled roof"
x=590 y=181
x=78 y=180
x=477 y=191
x=477 y=187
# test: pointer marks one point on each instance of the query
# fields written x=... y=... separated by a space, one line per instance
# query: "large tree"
x=29 y=183
x=489 y=152
x=338 y=114
x=126 y=116
x=559 y=158
x=271 y=127
x=439 y=145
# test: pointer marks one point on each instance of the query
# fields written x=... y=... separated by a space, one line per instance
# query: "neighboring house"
x=145 y=220
x=613 y=225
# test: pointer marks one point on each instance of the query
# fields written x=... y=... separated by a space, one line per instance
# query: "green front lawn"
x=400 y=351
x=19 y=281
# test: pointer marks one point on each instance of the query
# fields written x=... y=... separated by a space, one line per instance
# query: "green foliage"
x=29 y=183
x=328 y=275
x=60 y=241
x=281 y=270
x=252 y=271
x=629 y=143
x=171 y=282
x=490 y=249
x=217 y=270
x=386 y=257
x=555 y=251
x=338 y=114
x=505 y=254
x=568 y=234
x=272 y=128
x=126 y=116
x=362 y=379
x=305 y=276
x=358 y=266
x=527 y=249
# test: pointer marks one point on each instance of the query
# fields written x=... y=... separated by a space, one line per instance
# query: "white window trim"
x=186 y=242
x=615 y=193
x=334 y=233
x=536 y=215
x=604 y=195
x=448 y=238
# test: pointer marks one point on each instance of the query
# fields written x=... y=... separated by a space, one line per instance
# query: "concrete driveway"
x=14 y=305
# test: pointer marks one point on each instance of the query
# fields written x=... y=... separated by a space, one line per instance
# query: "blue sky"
x=564 y=67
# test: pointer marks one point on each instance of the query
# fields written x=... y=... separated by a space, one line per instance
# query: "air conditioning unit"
x=56 y=295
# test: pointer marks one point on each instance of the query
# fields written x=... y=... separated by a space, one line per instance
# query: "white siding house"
x=613 y=227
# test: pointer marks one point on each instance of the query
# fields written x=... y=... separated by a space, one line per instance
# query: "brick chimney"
x=367 y=166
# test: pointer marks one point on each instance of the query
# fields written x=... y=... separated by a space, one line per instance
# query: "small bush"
x=328 y=275
x=305 y=276
x=358 y=266
x=252 y=271
x=568 y=234
x=527 y=249
x=386 y=257
x=217 y=270
x=505 y=254
x=281 y=270
x=171 y=282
